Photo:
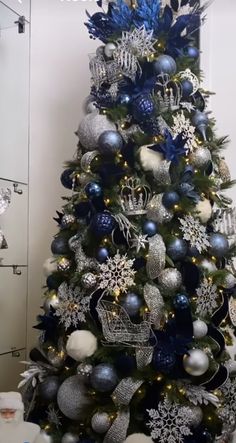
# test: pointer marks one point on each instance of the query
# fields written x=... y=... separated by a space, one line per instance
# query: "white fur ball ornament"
x=81 y=344
x=204 y=210
x=49 y=266
x=138 y=438
x=154 y=162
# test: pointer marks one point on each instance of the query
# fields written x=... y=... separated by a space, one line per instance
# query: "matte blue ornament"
x=131 y=303
x=66 y=178
x=165 y=64
x=187 y=88
x=102 y=255
x=192 y=52
x=177 y=249
x=143 y=107
x=193 y=251
x=163 y=361
x=49 y=387
x=54 y=281
x=102 y=224
x=170 y=199
x=180 y=302
x=200 y=120
x=110 y=143
x=93 y=189
x=104 y=378
x=219 y=245
x=60 y=246
x=124 y=99
x=149 y=228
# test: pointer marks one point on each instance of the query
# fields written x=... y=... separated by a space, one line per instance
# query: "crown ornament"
x=168 y=93
x=134 y=197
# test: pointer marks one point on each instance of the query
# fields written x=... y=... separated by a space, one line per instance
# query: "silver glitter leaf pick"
x=156 y=257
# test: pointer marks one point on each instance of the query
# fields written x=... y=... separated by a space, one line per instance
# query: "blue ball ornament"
x=110 y=143
x=187 y=88
x=200 y=118
x=93 y=189
x=163 y=361
x=181 y=302
x=66 y=178
x=104 y=378
x=150 y=228
x=170 y=199
x=192 y=52
x=124 y=99
x=60 y=246
x=177 y=249
x=165 y=64
x=102 y=255
x=219 y=245
x=143 y=107
x=131 y=303
x=102 y=224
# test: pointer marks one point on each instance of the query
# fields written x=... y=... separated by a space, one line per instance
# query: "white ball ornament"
x=91 y=127
x=49 y=266
x=200 y=329
x=149 y=159
x=109 y=49
x=81 y=344
x=204 y=210
x=207 y=265
x=196 y=362
x=138 y=438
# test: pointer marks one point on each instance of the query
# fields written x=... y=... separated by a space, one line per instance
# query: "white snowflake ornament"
x=183 y=125
x=169 y=423
x=138 y=42
x=194 y=232
x=139 y=242
x=117 y=274
x=73 y=305
x=206 y=301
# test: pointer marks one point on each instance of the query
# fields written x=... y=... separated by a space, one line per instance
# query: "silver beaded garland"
x=101 y=422
x=200 y=158
x=170 y=280
x=89 y=280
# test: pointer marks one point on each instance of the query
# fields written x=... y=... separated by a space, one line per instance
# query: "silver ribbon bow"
x=156 y=257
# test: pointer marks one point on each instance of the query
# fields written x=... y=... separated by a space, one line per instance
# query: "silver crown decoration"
x=134 y=197
x=168 y=93
x=225 y=221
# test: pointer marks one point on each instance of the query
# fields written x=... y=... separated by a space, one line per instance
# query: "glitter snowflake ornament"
x=194 y=232
x=73 y=305
x=183 y=125
x=117 y=274
x=206 y=302
x=169 y=423
x=139 y=242
x=139 y=42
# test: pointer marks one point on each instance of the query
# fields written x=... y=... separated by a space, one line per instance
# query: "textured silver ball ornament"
x=197 y=416
x=196 y=362
x=67 y=221
x=200 y=329
x=157 y=212
x=200 y=158
x=72 y=398
x=101 y=422
x=229 y=281
x=109 y=49
x=169 y=280
x=91 y=127
x=70 y=438
x=84 y=370
x=89 y=280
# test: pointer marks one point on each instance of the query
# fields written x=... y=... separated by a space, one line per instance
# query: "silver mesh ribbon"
x=125 y=391
x=156 y=256
x=155 y=303
x=144 y=357
x=118 y=430
x=87 y=159
x=83 y=262
x=225 y=221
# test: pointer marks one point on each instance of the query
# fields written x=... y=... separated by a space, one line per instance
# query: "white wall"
x=60 y=81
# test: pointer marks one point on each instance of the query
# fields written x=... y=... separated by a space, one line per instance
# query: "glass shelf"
x=8 y=17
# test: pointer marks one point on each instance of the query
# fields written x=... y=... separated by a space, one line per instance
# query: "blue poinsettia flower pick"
x=171 y=148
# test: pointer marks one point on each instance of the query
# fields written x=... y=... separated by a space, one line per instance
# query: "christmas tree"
x=140 y=304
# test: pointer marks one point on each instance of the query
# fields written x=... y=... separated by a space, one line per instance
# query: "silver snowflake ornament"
x=169 y=422
x=138 y=42
x=73 y=305
x=139 y=242
x=194 y=232
x=117 y=274
x=183 y=125
x=206 y=301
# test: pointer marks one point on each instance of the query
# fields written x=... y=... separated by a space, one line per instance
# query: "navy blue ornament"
x=200 y=120
x=49 y=387
x=165 y=64
x=177 y=249
x=102 y=255
x=149 y=228
x=66 y=178
x=60 y=246
x=143 y=107
x=104 y=378
x=163 y=361
x=102 y=224
x=180 y=302
x=170 y=199
x=131 y=303
x=124 y=99
x=150 y=126
x=192 y=52
x=93 y=189
x=110 y=143
x=187 y=88
x=125 y=364
x=219 y=245
x=54 y=281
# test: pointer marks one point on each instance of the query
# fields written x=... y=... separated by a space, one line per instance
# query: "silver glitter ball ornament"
x=52 y=301
x=89 y=280
x=91 y=127
x=200 y=329
x=157 y=212
x=72 y=398
x=70 y=438
x=169 y=280
x=67 y=221
x=109 y=49
x=63 y=264
x=229 y=281
x=196 y=362
x=196 y=416
x=101 y=422
x=200 y=158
